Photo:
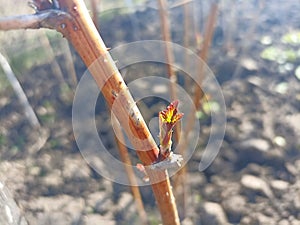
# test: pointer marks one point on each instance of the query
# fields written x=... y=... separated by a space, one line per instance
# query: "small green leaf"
x=292 y=38
x=279 y=55
x=290 y=55
x=271 y=53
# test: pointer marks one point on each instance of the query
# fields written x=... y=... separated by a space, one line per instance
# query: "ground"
x=255 y=178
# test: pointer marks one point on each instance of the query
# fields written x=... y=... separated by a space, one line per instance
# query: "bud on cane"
x=167 y=120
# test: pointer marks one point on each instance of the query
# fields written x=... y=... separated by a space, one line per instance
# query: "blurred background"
x=254 y=54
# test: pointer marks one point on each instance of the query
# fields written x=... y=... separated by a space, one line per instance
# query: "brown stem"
x=130 y=173
x=209 y=31
x=198 y=95
x=187 y=33
x=82 y=33
x=180 y=187
x=166 y=33
x=181 y=177
x=165 y=29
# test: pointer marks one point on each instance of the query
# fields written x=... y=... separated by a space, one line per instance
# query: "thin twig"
x=165 y=30
x=130 y=173
x=69 y=63
x=29 y=112
x=187 y=33
x=209 y=31
x=56 y=70
x=181 y=177
x=44 y=19
x=198 y=95
x=179 y=184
